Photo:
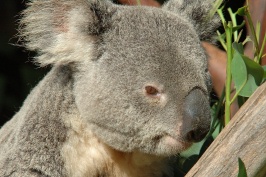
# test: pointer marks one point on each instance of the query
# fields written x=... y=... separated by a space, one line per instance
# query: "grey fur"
x=197 y=12
x=103 y=56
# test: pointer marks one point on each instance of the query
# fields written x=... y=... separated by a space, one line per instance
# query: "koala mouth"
x=177 y=142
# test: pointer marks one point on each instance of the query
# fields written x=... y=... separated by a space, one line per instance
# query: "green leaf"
x=242 y=11
x=254 y=69
x=193 y=150
x=214 y=130
x=217 y=130
x=239 y=71
x=246 y=74
x=264 y=68
x=249 y=88
x=238 y=47
x=254 y=78
x=242 y=172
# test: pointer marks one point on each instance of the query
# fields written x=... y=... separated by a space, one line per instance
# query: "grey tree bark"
x=244 y=137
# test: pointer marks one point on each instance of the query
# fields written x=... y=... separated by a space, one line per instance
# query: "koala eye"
x=151 y=91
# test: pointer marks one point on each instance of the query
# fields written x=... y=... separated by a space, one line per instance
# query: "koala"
x=127 y=92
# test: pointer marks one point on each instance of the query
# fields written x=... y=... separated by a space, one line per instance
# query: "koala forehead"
x=158 y=45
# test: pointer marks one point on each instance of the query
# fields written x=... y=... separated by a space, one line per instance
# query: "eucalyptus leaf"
x=217 y=130
x=264 y=68
x=254 y=69
x=238 y=47
x=249 y=87
x=242 y=172
x=246 y=74
x=254 y=77
x=193 y=150
x=242 y=11
x=239 y=71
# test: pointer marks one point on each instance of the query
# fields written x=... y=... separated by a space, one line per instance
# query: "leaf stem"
x=262 y=48
x=233 y=18
x=220 y=13
x=237 y=93
x=228 y=33
x=221 y=39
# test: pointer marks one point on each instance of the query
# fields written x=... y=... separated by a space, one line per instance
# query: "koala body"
x=127 y=92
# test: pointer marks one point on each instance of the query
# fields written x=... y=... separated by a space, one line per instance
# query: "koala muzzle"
x=196 y=116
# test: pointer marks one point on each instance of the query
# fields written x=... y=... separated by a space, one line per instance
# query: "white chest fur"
x=86 y=156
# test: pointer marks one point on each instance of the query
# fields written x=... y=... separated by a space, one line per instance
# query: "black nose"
x=196 y=116
x=196 y=135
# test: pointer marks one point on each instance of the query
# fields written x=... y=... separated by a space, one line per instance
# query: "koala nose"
x=196 y=116
x=196 y=135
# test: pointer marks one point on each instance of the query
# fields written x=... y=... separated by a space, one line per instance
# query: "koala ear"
x=63 y=31
x=197 y=12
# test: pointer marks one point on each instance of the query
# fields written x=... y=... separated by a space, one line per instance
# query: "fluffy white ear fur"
x=67 y=46
x=63 y=31
x=197 y=12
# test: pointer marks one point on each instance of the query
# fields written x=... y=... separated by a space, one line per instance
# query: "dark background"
x=18 y=75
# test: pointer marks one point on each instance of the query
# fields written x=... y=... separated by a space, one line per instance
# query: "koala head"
x=140 y=73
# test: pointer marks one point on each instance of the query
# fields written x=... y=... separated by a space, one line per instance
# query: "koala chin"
x=128 y=89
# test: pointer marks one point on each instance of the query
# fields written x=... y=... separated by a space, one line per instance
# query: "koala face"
x=148 y=90
x=141 y=79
